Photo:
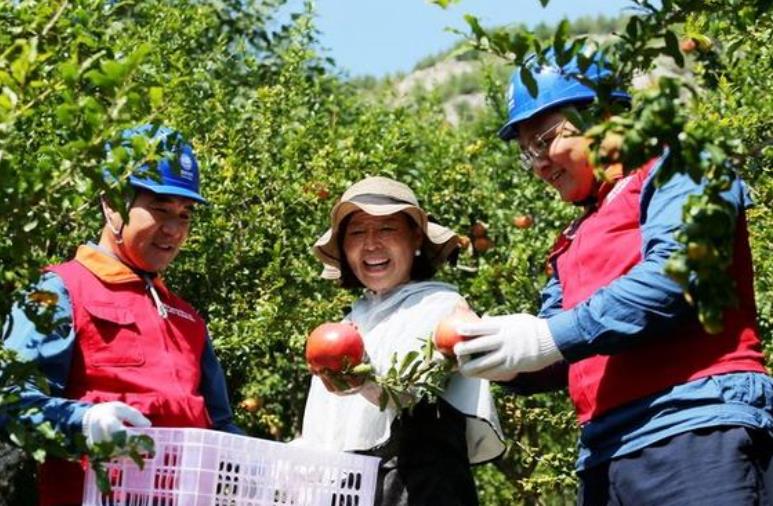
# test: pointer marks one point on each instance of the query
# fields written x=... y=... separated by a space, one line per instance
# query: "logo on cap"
x=186 y=163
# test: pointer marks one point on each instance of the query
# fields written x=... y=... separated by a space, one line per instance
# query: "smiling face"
x=158 y=226
x=380 y=249
x=565 y=164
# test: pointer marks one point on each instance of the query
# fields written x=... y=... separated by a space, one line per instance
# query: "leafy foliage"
x=419 y=375
x=24 y=429
x=659 y=119
x=279 y=136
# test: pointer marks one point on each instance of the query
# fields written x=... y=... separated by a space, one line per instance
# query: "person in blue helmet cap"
x=668 y=414
x=126 y=350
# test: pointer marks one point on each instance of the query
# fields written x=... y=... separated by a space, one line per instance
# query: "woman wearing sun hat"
x=381 y=240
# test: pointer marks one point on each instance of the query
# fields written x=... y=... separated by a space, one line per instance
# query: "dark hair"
x=421 y=269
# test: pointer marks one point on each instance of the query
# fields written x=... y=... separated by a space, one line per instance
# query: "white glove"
x=507 y=345
x=103 y=420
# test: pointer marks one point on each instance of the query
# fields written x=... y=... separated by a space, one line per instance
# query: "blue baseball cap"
x=178 y=177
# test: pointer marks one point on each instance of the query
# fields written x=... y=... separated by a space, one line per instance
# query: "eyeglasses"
x=538 y=148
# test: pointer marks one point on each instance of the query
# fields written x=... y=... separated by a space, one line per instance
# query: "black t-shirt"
x=425 y=461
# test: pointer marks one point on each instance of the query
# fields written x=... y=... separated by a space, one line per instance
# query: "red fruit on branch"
x=334 y=347
x=523 y=221
x=688 y=45
x=322 y=192
x=478 y=229
x=446 y=334
x=251 y=404
x=482 y=244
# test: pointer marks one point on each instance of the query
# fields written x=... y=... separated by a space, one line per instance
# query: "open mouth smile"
x=167 y=248
x=376 y=264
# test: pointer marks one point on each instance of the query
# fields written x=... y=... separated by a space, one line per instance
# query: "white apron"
x=389 y=323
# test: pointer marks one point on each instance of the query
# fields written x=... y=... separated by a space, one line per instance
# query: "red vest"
x=604 y=245
x=125 y=351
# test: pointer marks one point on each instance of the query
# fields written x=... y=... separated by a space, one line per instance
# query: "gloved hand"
x=103 y=420
x=507 y=345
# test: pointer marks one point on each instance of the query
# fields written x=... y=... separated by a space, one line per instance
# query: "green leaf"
x=472 y=21
x=408 y=359
x=113 y=70
x=559 y=40
x=383 y=399
x=632 y=27
x=97 y=78
x=528 y=80
x=156 y=95
x=69 y=71
x=444 y=3
x=519 y=44
x=119 y=438
x=584 y=61
x=672 y=48
x=5 y=102
x=39 y=455
x=5 y=78
x=576 y=118
x=30 y=225
x=103 y=483
x=414 y=368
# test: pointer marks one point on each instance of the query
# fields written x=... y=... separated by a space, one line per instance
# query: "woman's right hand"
x=342 y=384
x=369 y=390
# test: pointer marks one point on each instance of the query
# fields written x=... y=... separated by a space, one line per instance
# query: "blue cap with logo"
x=178 y=177
x=556 y=87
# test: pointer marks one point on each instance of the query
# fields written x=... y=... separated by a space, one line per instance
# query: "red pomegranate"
x=334 y=347
x=446 y=334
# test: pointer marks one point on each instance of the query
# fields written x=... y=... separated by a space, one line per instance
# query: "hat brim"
x=172 y=191
x=439 y=241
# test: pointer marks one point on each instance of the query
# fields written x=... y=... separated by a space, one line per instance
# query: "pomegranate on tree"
x=478 y=229
x=446 y=334
x=482 y=244
x=523 y=221
x=251 y=404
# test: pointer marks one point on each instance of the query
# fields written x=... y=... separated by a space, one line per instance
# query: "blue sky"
x=378 y=37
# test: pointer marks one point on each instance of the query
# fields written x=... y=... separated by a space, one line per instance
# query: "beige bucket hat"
x=381 y=196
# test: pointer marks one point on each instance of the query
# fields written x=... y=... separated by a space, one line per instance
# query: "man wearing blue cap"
x=669 y=414
x=126 y=350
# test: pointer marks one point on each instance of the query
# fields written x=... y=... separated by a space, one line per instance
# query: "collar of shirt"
x=108 y=268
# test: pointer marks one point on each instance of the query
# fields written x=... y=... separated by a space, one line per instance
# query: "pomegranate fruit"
x=251 y=404
x=523 y=221
x=446 y=334
x=334 y=347
x=478 y=229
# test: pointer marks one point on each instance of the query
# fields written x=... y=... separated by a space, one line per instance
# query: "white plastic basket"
x=197 y=467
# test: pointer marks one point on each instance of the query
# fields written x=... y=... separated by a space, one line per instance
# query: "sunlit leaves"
x=659 y=116
x=444 y=3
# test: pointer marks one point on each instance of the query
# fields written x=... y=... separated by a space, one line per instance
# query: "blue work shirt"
x=643 y=303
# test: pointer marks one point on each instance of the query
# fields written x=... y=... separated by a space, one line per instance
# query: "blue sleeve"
x=554 y=377
x=551 y=298
x=644 y=302
x=52 y=352
x=215 y=393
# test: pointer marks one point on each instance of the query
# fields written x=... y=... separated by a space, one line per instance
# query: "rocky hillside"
x=460 y=82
